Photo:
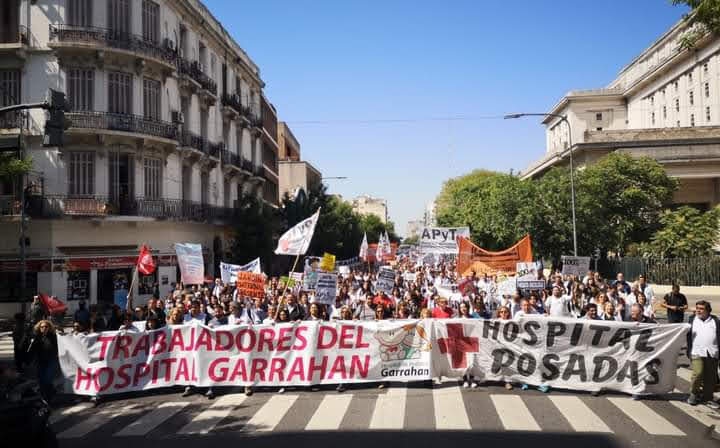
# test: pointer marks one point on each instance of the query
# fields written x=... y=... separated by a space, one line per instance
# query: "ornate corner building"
x=170 y=128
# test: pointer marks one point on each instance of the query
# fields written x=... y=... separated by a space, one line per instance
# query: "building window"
x=707 y=113
x=652 y=100
x=9 y=87
x=677 y=104
x=652 y=118
x=119 y=16
x=120 y=93
x=81 y=173
x=151 y=21
x=675 y=84
x=81 y=88
x=664 y=112
x=79 y=12
x=151 y=99
x=705 y=67
x=692 y=119
x=152 y=169
x=678 y=123
x=689 y=75
x=707 y=90
x=691 y=97
x=663 y=92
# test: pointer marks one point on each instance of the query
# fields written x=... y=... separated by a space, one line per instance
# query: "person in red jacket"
x=382 y=300
x=442 y=310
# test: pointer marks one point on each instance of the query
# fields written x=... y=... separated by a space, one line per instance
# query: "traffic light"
x=56 y=124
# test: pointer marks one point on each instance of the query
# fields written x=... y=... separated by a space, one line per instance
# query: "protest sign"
x=441 y=240
x=327 y=263
x=326 y=288
x=561 y=353
x=228 y=272
x=575 y=265
x=286 y=282
x=530 y=285
x=472 y=258
x=310 y=280
x=466 y=286
x=385 y=280
x=190 y=261
x=344 y=270
x=507 y=287
x=250 y=284
x=297 y=276
x=409 y=276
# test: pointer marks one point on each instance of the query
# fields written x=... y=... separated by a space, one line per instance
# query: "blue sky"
x=337 y=69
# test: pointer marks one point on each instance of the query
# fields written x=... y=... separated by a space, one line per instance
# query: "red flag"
x=52 y=304
x=145 y=262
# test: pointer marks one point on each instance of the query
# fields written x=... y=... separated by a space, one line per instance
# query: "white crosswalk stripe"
x=513 y=413
x=396 y=408
x=267 y=418
x=94 y=421
x=684 y=373
x=204 y=422
x=6 y=348
x=147 y=423
x=330 y=413
x=579 y=415
x=450 y=410
x=646 y=418
x=389 y=410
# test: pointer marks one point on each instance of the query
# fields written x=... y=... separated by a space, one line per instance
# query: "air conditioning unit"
x=178 y=117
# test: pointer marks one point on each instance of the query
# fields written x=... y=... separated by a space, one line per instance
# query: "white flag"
x=364 y=247
x=297 y=240
x=387 y=249
x=228 y=272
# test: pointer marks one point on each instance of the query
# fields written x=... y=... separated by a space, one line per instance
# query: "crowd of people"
x=426 y=291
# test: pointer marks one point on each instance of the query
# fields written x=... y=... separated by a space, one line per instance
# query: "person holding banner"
x=703 y=351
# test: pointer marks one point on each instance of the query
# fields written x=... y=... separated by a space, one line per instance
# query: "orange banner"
x=474 y=258
x=250 y=284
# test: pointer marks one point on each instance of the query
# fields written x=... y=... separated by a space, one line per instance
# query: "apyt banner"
x=568 y=354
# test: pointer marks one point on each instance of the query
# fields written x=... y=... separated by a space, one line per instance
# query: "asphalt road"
x=398 y=416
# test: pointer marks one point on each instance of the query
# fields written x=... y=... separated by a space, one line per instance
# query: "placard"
x=250 y=284
x=326 y=288
x=442 y=240
x=385 y=280
x=575 y=265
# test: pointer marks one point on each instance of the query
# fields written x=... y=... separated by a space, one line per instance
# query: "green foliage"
x=619 y=201
x=413 y=240
x=704 y=17
x=374 y=227
x=685 y=232
x=11 y=166
x=256 y=232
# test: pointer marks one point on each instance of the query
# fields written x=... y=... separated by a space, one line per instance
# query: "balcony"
x=200 y=144
x=123 y=123
x=80 y=38
x=193 y=79
x=64 y=206
x=230 y=159
x=231 y=105
x=13 y=121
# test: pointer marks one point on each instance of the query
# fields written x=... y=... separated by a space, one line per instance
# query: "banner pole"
x=128 y=304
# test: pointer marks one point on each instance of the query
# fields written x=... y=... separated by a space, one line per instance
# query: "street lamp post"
x=572 y=172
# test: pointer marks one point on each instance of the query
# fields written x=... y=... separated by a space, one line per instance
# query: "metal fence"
x=699 y=271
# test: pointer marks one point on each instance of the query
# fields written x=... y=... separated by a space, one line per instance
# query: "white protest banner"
x=441 y=240
x=228 y=272
x=561 y=353
x=190 y=261
x=575 y=265
x=302 y=353
x=385 y=280
x=326 y=288
x=507 y=287
x=297 y=240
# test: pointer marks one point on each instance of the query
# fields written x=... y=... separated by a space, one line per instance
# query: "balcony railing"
x=12 y=120
x=214 y=149
x=192 y=69
x=59 y=206
x=200 y=143
x=230 y=158
x=113 y=39
x=233 y=101
x=247 y=165
x=15 y=36
x=123 y=122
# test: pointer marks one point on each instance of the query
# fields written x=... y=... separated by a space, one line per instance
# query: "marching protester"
x=702 y=349
x=676 y=304
x=43 y=350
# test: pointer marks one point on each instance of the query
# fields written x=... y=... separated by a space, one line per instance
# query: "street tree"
x=703 y=19
x=685 y=232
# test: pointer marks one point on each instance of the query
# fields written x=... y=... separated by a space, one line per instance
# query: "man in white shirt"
x=702 y=349
x=558 y=305
x=525 y=309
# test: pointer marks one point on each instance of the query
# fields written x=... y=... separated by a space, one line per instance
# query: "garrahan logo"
x=406 y=342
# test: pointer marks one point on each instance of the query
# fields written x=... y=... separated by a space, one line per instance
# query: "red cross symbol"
x=457 y=344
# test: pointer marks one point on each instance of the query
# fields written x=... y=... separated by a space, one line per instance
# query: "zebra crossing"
x=447 y=407
x=6 y=347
